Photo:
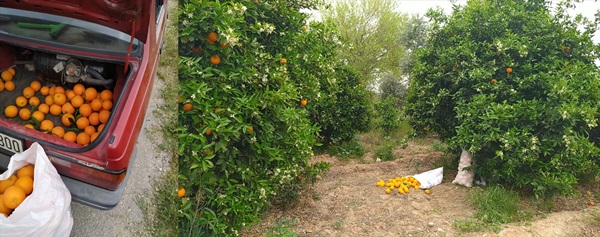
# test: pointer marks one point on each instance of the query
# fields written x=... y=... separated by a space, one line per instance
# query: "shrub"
x=346 y=110
x=388 y=115
x=515 y=85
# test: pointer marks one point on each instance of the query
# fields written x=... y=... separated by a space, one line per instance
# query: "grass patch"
x=339 y=224
x=283 y=228
x=160 y=211
x=161 y=207
x=595 y=218
x=386 y=152
x=346 y=150
x=495 y=206
x=471 y=225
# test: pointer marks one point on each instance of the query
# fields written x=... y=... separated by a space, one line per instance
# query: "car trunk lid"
x=123 y=15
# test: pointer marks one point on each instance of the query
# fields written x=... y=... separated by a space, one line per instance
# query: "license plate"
x=10 y=144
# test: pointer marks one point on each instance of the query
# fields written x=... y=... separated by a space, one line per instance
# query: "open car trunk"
x=53 y=71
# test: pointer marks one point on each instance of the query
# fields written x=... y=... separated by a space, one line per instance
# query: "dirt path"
x=346 y=202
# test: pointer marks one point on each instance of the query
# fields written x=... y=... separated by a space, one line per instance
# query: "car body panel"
x=111 y=155
x=127 y=16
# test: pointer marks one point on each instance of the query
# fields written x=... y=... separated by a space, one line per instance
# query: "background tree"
x=371 y=31
x=516 y=85
x=412 y=37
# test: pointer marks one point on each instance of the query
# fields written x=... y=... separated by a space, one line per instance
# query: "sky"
x=587 y=8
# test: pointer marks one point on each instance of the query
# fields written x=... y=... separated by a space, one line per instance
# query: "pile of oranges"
x=77 y=115
x=15 y=189
x=403 y=184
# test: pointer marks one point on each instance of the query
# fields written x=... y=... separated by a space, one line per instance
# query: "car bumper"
x=88 y=194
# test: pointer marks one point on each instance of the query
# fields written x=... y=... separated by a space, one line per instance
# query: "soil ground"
x=346 y=202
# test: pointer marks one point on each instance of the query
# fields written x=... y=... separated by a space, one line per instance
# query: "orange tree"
x=516 y=85
x=251 y=75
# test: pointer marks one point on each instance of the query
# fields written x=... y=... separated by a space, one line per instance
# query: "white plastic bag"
x=464 y=177
x=47 y=211
x=430 y=178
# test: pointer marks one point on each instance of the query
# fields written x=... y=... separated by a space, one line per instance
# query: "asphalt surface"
x=127 y=218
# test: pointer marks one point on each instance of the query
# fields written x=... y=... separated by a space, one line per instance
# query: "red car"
x=101 y=53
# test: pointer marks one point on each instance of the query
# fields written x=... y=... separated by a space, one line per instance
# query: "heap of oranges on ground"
x=15 y=189
x=403 y=184
x=82 y=111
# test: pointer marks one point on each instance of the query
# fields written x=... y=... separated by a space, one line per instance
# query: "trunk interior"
x=49 y=74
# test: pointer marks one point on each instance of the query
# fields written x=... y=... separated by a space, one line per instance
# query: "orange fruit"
x=388 y=191
x=25 y=114
x=49 y=100
x=94 y=119
x=29 y=126
x=224 y=45
x=67 y=108
x=9 y=86
x=283 y=61
x=100 y=127
x=215 y=60
x=59 y=98
x=7 y=76
x=55 y=109
x=107 y=105
x=4 y=184
x=34 y=101
x=13 y=197
x=26 y=183
x=35 y=85
x=11 y=70
x=46 y=125
x=303 y=102
x=85 y=110
x=1 y=86
x=96 y=104
x=28 y=92
x=187 y=107
x=21 y=101
x=94 y=136
x=11 y=111
x=4 y=210
x=58 y=89
x=70 y=94
x=106 y=95
x=591 y=203
x=58 y=131
x=90 y=93
x=103 y=116
x=78 y=89
x=427 y=191
x=67 y=119
x=208 y=131
x=51 y=90
x=77 y=101
x=82 y=122
x=70 y=136
x=181 y=192
x=83 y=139
x=44 y=108
x=509 y=70
x=212 y=37
x=90 y=130
x=26 y=170
x=45 y=90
